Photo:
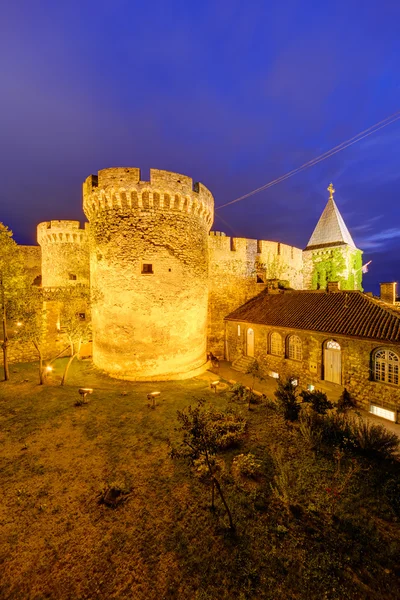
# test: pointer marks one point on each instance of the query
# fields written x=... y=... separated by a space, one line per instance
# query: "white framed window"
x=238 y=330
x=276 y=343
x=386 y=366
x=295 y=348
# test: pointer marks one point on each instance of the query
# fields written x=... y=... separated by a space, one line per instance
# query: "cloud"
x=377 y=241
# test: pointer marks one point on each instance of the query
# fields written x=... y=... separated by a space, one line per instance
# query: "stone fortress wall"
x=155 y=324
x=65 y=253
x=239 y=270
x=149 y=272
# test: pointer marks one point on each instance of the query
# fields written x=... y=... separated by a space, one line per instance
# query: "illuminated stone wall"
x=149 y=322
x=356 y=358
x=341 y=263
x=235 y=266
x=65 y=253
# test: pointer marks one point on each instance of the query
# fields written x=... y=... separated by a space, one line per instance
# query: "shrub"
x=318 y=400
x=238 y=391
x=226 y=428
x=391 y=490
x=286 y=396
x=247 y=465
x=337 y=430
x=346 y=402
x=202 y=471
x=251 y=398
x=311 y=430
x=374 y=440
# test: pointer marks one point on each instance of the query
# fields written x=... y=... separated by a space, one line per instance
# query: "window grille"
x=276 y=344
x=295 y=348
x=386 y=366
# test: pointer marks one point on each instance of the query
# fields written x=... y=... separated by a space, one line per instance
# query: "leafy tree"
x=202 y=440
x=73 y=310
x=32 y=314
x=12 y=281
x=286 y=394
x=256 y=372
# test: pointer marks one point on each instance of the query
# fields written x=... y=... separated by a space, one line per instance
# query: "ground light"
x=152 y=397
x=214 y=385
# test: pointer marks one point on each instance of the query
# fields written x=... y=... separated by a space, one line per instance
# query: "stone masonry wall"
x=357 y=371
x=234 y=266
x=149 y=272
x=65 y=253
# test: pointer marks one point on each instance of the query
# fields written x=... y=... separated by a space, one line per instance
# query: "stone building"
x=161 y=283
x=331 y=254
x=328 y=338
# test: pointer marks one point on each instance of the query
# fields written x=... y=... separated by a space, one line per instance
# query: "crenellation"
x=179 y=193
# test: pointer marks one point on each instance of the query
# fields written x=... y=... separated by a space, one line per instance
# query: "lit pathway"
x=268 y=387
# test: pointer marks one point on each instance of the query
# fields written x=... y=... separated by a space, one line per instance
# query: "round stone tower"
x=65 y=253
x=149 y=272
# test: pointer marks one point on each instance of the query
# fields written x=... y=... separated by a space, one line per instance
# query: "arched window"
x=331 y=345
x=295 y=349
x=386 y=366
x=276 y=344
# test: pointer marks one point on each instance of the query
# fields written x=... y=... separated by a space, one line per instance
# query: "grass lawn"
x=58 y=542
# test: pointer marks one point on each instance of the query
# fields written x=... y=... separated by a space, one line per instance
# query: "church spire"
x=331 y=230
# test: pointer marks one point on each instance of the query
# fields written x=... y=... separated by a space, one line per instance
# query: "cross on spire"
x=331 y=191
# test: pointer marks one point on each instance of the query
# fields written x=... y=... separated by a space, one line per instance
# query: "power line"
x=357 y=138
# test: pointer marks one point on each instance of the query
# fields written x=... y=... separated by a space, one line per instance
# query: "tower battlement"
x=122 y=189
x=54 y=232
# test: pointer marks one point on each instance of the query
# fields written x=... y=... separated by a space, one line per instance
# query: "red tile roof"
x=341 y=313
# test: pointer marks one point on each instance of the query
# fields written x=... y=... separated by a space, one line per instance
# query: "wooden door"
x=250 y=342
x=333 y=365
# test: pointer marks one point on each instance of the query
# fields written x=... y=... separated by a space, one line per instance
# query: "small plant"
x=318 y=400
x=310 y=429
x=256 y=372
x=238 y=391
x=286 y=394
x=114 y=495
x=81 y=402
x=247 y=465
x=374 y=440
x=346 y=402
x=284 y=478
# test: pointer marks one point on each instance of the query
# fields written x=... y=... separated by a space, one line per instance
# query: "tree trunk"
x=64 y=377
x=231 y=525
x=5 y=340
x=41 y=373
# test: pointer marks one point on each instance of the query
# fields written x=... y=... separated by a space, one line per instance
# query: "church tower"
x=331 y=255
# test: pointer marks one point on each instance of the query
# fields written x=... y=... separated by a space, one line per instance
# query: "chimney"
x=333 y=286
x=388 y=292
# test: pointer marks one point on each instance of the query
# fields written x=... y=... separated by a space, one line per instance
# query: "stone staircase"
x=242 y=363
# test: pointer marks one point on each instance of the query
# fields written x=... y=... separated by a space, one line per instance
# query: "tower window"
x=72 y=277
x=147 y=268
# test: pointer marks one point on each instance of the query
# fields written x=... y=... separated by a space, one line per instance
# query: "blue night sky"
x=232 y=93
